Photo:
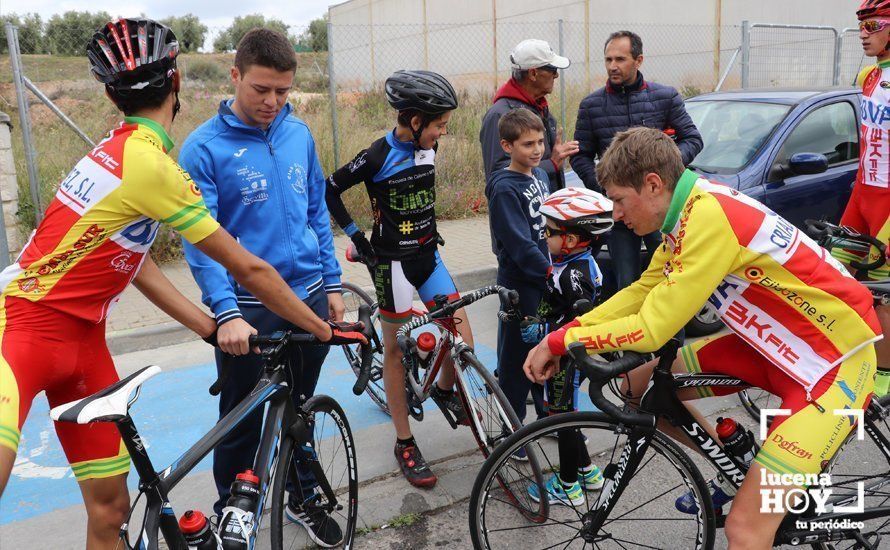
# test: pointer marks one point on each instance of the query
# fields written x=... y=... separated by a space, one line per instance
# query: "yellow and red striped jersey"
x=102 y=221
x=771 y=284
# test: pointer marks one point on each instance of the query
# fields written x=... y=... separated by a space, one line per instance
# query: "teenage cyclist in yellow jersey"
x=869 y=208
x=94 y=241
x=801 y=327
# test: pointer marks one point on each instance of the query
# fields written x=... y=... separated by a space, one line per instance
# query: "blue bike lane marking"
x=172 y=413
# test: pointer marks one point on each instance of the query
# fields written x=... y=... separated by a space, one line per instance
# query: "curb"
x=168 y=334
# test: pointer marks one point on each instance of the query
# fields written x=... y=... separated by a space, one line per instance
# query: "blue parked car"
x=795 y=150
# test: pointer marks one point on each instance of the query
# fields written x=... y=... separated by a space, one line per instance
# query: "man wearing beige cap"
x=535 y=70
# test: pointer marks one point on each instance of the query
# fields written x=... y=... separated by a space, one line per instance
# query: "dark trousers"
x=624 y=248
x=512 y=351
x=237 y=451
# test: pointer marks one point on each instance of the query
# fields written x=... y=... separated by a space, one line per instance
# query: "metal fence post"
x=24 y=118
x=746 y=51
x=332 y=90
x=838 y=44
x=562 y=82
x=5 y=128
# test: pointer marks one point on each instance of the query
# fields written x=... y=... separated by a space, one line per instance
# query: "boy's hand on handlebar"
x=233 y=337
x=364 y=248
x=346 y=333
x=541 y=364
x=533 y=330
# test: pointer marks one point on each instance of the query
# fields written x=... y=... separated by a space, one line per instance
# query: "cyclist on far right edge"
x=869 y=206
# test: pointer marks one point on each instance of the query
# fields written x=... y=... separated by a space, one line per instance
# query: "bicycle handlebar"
x=367 y=350
x=280 y=340
x=509 y=302
x=599 y=375
x=824 y=231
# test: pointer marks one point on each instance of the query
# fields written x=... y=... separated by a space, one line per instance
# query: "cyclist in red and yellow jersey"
x=869 y=208
x=802 y=327
x=93 y=241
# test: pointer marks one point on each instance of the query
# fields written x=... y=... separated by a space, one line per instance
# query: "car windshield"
x=732 y=131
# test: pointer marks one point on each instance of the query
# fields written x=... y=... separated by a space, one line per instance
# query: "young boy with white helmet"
x=576 y=219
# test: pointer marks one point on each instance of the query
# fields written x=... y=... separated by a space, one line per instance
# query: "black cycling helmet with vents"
x=424 y=91
x=133 y=54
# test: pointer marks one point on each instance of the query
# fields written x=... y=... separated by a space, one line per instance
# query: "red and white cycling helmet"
x=579 y=209
x=873 y=8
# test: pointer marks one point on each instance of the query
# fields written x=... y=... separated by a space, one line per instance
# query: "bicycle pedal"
x=447 y=414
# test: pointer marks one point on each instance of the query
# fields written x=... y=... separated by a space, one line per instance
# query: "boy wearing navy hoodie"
x=515 y=195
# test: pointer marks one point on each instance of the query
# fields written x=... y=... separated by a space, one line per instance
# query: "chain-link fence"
x=338 y=92
x=788 y=55
x=851 y=57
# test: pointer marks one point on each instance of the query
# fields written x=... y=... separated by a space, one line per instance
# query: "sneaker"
x=591 y=480
x=414 y=467
x=321 y=527
x=449 y=401
x=687 y=505
x=558 y=493
x=520 y=455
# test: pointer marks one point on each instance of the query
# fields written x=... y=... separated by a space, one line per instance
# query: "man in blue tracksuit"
x=258 y=171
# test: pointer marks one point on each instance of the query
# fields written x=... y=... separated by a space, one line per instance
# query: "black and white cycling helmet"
x=133 y=54
x=424 y=91
x=579 y=209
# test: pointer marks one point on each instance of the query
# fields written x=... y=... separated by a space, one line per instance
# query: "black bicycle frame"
x=661 y=401
x=157 y=486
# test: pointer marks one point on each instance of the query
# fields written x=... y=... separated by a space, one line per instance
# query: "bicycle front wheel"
x=316 y=482
x=644 y=515
x=353 y=297
x=492 y=420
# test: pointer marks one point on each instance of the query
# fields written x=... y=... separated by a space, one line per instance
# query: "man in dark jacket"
x=535 y=70
x=628 y=100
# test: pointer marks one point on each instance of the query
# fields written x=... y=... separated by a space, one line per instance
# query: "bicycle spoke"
x=635 y=543
x=560 y=542
x=641 y=505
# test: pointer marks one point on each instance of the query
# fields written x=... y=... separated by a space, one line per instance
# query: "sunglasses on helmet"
x=871 y=26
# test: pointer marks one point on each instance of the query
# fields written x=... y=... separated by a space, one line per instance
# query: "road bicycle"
x=314 y=438
x=646 y=472
x=488 y=413
x=830 y=236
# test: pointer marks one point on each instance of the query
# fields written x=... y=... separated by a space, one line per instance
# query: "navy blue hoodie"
x=517 y=227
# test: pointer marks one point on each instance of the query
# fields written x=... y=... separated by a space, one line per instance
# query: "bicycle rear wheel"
x=755 y=399
x=353 y=297
x=865 y=461
x=328 y=451
x=492 y=420
x=644 y=515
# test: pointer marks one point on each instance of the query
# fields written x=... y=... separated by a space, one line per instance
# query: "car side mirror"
x=801 y=164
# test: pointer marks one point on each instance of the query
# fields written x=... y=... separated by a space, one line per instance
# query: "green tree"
x=229 y=38
x=69 y=33
x=30 y=30
x=315 y=37
x=189 y=31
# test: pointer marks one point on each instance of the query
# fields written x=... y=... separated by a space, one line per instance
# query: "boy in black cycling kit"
x=398 y=171
x=576 y=219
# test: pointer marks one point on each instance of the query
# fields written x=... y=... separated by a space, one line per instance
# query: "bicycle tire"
x=374 y=389
x=495 y=421
x=602 y=430
x=863 y=461
x=280 y=526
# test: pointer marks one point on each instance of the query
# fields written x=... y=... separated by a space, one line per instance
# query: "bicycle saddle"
x=108 y=405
